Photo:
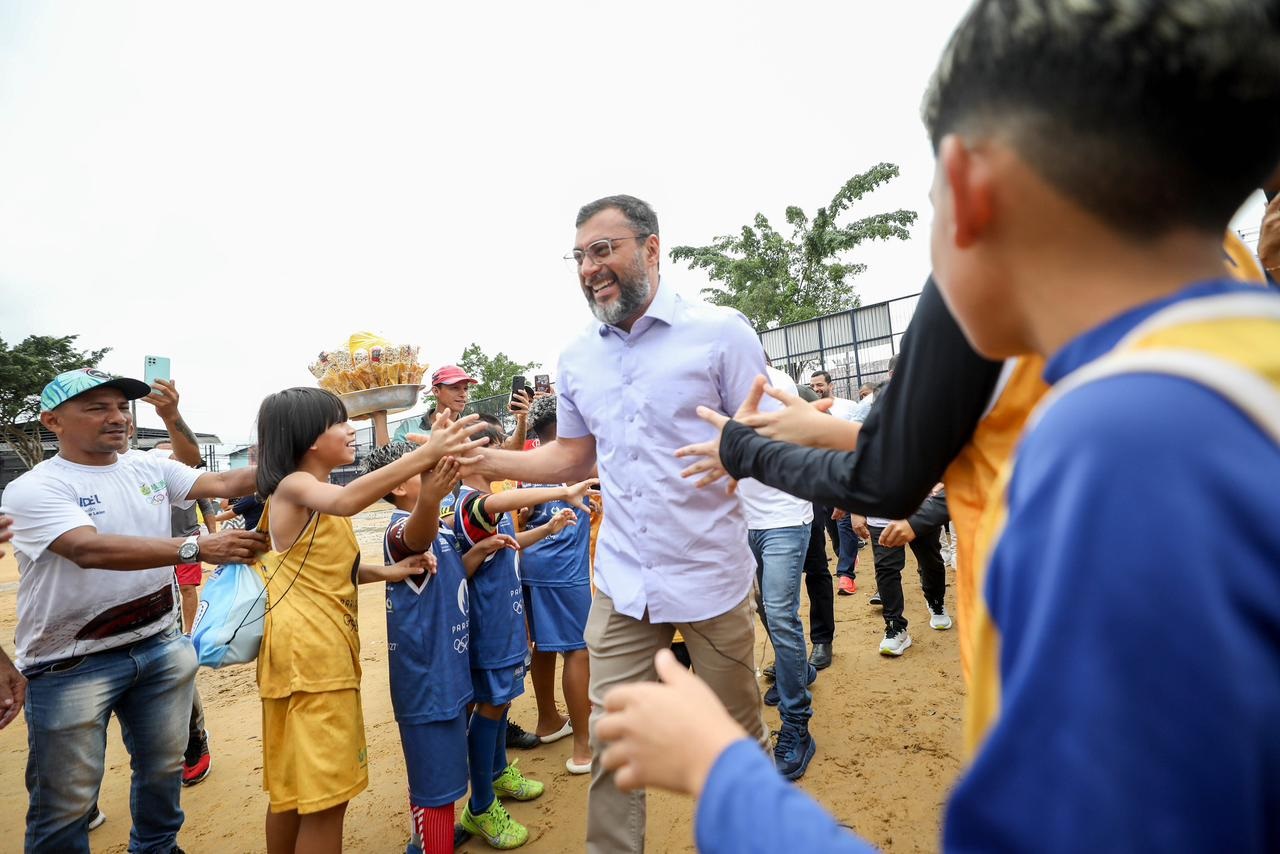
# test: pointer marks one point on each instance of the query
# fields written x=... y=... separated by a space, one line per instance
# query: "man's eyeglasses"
x=599 y=250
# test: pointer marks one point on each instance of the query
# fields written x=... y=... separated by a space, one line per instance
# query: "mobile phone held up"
x=542 y=383
x=156 y=368
x=518 y=384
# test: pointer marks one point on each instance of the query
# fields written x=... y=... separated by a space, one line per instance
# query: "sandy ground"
x=888 y=734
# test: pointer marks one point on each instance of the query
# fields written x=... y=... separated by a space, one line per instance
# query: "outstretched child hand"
x=666 y=734
x=480 y=552
x=439 y=481
x=448 y=438
x=578 y=494
x=411 y=566
x=563 y=519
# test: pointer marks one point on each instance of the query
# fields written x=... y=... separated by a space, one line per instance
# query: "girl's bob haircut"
x=289 y=422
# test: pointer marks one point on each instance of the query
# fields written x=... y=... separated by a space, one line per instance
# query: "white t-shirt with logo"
x=65 y=610
x=764 y=506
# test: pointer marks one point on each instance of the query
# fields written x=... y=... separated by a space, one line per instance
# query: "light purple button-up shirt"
x=665 y=546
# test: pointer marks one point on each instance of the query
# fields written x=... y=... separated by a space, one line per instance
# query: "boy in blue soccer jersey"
x=1089 y=158
x=428 y=639
x=499 y=642
x=556 y=573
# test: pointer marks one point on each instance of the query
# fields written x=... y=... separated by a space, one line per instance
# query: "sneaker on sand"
x=96 y=818
x=896 y=640
x=196 y=762
x=770 y=672
x=848 y=586
x=520 y=738
x=512 y=784
x=496 y=826
x=875 y=599
x=794 y=751
x=938 y=617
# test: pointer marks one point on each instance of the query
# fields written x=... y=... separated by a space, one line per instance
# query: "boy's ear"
x=969 y=182
x=399 y=490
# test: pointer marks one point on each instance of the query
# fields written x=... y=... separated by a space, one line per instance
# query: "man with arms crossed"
x=669 y=557
x=98 y=628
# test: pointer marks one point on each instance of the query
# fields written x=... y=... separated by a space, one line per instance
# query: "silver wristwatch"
x=189 y=551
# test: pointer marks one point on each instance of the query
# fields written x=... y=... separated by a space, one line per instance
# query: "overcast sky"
x=238 y=186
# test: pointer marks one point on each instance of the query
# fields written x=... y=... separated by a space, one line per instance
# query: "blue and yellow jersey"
x=1125 y=646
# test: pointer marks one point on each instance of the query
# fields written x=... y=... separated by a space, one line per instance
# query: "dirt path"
x=888 y=733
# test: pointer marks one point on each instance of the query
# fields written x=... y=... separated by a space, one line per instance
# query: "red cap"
x=451 y=375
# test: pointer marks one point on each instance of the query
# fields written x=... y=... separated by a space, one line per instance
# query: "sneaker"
x=848 y=586
x=512 y=784
x=196 y=762
x=497 y=827
x=519 y=739
x=794 y=751
x=938 y=617
x=770 y=673
x=896 y=640
x=96 y=818
x=875 y=599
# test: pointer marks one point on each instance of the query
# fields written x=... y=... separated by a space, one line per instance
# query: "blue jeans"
x=780 y=556
x=149 y=686
x=848 y=552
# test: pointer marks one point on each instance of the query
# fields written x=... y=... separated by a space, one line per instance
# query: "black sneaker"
x=519 y=739
x=770 y=673
x=794 y=751
x=875 y=599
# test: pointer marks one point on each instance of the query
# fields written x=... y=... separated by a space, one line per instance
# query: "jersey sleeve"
x=471 y=522
x=42 y=511
x=746 y=808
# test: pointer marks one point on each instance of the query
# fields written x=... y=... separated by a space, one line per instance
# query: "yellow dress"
x=313 y=743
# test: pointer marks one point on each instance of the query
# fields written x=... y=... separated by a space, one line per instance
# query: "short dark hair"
x=824 y=374
x=385 y=456
x=289 y=422
x=640 y=214
x=1149 y=115
x=492 y=428
x=542 y=412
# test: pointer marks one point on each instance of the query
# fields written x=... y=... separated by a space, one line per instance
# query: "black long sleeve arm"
x=918 y=425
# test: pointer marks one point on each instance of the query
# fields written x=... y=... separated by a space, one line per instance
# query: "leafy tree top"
x=776 y=280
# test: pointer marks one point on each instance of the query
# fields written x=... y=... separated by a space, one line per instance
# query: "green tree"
x=25 y=369
x=775 y=280
x=494 y=372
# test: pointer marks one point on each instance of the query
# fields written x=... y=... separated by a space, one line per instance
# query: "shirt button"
x=634 y=455
x=644 y=529
x=626 y=380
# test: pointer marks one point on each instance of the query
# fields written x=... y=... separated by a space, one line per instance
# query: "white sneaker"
x=939 y=619
x=895 y=642
x=96 y=818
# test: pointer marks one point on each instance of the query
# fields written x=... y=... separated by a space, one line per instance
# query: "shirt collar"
x=663 y=308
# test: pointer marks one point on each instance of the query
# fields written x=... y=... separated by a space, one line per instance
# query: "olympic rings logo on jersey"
x=460 y=645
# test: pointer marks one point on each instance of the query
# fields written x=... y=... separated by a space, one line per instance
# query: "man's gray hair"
x=639 y=213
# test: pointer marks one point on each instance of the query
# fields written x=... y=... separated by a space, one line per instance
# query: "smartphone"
x=156 y=368
x=542 y=383
x=518 y=384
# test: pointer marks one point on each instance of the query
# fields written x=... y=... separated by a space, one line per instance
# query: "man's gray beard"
x=633 y=293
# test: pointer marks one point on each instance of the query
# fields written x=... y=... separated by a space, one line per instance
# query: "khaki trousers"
x=622 y=650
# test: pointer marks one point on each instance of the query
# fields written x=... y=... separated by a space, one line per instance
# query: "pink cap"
x=451 y=375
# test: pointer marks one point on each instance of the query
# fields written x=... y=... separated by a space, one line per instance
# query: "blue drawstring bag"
x=229 y=623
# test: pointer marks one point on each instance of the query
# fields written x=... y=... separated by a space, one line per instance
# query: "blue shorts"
x=557 y=616
x=435 y=756
x=498 y=687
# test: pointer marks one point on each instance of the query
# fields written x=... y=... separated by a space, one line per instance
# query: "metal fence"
x=854 y=346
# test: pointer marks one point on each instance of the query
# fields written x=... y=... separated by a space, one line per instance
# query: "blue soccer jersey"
x=498 y=636
x=560 y=560
x=428 y=632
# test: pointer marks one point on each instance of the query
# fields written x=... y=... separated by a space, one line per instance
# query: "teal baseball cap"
x=71 y=384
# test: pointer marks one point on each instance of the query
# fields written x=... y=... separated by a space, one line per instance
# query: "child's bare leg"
x=576 y=676
x=282 y=832
x=321 y=832
x=543 y=670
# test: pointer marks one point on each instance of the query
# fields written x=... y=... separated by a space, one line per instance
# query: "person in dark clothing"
x=817 y=583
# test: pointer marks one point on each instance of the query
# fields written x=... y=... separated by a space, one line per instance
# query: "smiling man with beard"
x=669 y=557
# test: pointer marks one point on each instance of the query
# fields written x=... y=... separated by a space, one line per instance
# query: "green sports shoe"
x=496 y=825
x=512 y=784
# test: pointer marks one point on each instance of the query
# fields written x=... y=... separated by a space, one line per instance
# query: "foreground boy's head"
x=404 y=496
x=1073 y=130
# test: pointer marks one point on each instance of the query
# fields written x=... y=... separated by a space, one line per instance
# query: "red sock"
x=434 y=826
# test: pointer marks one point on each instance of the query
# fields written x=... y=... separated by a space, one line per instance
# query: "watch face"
x=188 y=551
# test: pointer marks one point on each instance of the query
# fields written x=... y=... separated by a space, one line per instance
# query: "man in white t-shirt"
x=98 y=629
x=778 y=529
